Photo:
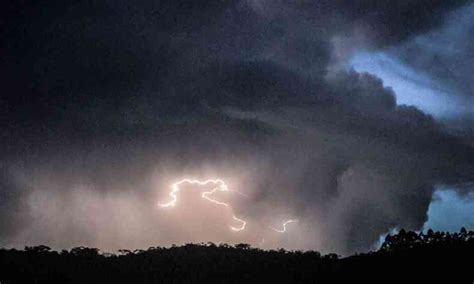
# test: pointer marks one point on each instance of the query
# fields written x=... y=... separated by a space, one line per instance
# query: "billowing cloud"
x=109 y=102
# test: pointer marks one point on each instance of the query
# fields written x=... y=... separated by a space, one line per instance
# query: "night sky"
x=354 y=117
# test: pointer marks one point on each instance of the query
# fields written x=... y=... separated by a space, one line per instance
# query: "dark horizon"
x=405 y=255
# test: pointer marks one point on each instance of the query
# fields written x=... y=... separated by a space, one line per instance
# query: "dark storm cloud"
x=446 y=56
x=448 y=52
x=101 y=92
x=11 y=205
x=388 y=21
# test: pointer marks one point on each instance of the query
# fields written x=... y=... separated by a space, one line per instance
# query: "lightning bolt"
x=220 y=186
x=284 y=226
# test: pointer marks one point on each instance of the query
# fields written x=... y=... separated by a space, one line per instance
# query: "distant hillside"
x=407 y=255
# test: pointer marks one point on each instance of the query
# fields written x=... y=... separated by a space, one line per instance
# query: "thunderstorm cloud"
x=105 y=103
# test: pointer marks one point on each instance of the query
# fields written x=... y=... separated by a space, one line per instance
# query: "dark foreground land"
x=430 y=258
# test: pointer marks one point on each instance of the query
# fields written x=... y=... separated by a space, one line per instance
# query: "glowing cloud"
x=220 y=186
x=284 y=226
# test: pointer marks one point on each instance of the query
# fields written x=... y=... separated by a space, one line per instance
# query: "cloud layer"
x=107 y=102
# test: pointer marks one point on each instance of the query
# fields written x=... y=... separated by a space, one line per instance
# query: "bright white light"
x=283 y=230
x=220 y=186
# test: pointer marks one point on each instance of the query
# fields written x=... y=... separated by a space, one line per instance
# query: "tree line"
x=405 y=254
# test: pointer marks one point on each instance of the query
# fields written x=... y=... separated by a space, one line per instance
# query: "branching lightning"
x=283 y=230
x=220 y=186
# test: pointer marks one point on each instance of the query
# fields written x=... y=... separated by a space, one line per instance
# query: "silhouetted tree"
x=407 y=252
